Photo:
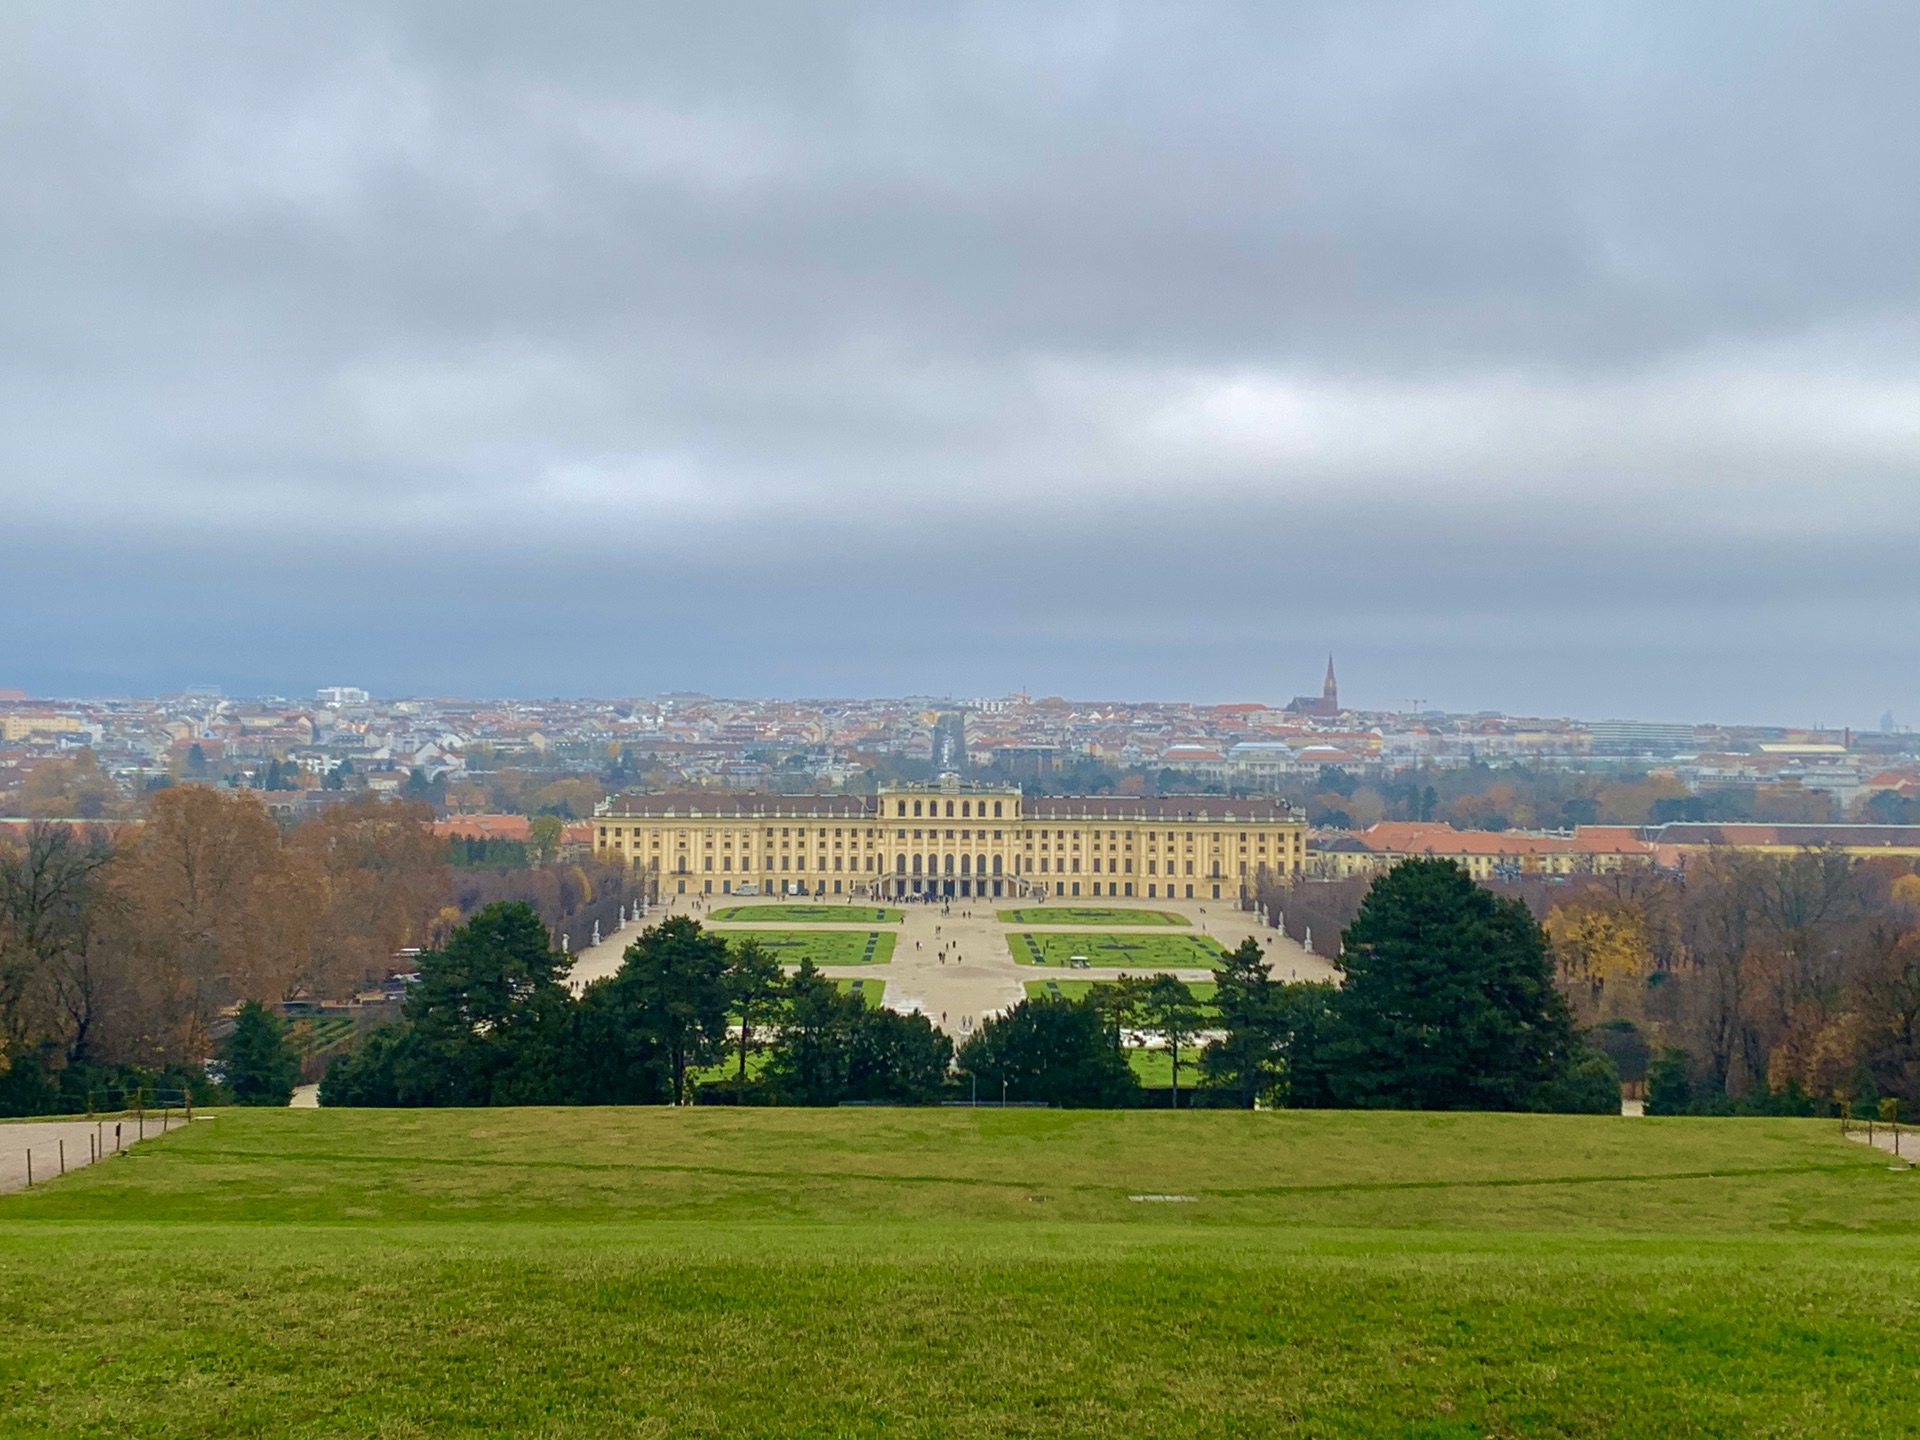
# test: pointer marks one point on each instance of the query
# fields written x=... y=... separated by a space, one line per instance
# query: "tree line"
x=1752 y=982
x=124 y=951
x=1449 y=1002
x=1747 y=983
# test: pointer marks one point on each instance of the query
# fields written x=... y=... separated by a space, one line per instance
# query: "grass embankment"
x=1141 y=954
x=972 y=1272
x=797 y=913
x=1088 y=915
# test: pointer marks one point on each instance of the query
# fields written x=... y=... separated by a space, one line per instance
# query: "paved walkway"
x=44 y=1138
x=1901 y=1142
x=957 y=967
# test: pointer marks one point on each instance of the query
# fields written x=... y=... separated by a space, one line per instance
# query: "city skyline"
x=1410 y=706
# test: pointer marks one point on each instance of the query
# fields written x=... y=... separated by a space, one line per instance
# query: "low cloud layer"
x=1555 y=358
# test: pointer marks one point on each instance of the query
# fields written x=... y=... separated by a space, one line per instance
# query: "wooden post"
x=63 y=1154
x=29 y=1169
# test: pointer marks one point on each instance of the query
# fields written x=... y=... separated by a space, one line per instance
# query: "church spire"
x=1330 y=692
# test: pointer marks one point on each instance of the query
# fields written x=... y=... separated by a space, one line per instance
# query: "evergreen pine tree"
x=1449 y=1000
x=261 y=1065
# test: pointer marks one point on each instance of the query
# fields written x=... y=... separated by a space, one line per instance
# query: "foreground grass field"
x=964 y=1272
x=1139 y=953
x=1089 y=915
x=797 y=913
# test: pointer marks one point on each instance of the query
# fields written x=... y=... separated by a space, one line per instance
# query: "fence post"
x=63 y=1154
x=29 y=1169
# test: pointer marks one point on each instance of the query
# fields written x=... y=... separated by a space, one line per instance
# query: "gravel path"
x=957 y=968
x=44 y=1138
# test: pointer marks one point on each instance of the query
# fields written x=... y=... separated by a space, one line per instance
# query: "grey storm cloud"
x=1547 y=356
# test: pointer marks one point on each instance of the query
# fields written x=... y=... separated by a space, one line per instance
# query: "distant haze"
x=1550 y=358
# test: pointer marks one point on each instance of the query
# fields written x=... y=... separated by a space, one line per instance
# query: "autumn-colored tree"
x=571 y=799
x=1599 y=940
x=71 y=788
x=1629 y=802
x=374 y=879
x=50 y=889
x=544 y=833
x=206 y=884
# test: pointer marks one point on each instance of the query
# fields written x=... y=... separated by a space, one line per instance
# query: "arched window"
x=900 y=864
x=916 y=864
x=916 y=807
x=996 y=864
x=996 y=809
x=949 y=860
x=966 y=865
x=949 y=809
x=903 y=808
x=966 y=808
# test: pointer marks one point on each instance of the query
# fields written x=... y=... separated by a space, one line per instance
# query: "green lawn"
x=717 y=1272
x=1077 y=989
x=873 y=990
x=799 y=913
x=1155 y=1069
x=1135 y=952
x=827 y=947
x=1088 y=915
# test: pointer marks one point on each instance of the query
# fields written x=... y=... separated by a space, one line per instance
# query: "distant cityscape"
x=311 y=751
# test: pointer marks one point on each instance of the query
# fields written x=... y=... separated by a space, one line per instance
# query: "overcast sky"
x=1553 y=358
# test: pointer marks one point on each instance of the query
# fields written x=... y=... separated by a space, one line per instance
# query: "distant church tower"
x=1326 y=706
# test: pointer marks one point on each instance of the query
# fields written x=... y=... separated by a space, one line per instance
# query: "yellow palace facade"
x=952 y=840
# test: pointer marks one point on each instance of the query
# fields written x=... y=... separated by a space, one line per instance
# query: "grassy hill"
x=953 y=1272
